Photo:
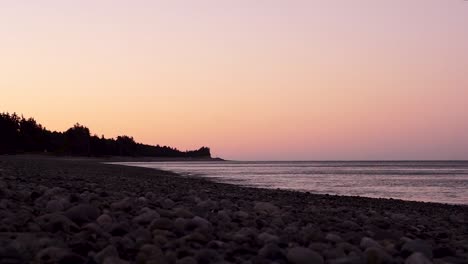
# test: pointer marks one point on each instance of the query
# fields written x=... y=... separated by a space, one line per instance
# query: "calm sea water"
x=442 y=182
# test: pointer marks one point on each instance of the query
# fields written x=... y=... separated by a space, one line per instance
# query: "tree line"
x=24 y=135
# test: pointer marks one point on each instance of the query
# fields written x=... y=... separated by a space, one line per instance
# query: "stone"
x=147 y=215
x=266 y=238
x=168 y=203
x=333 y=238
x=187 y=260
x=83 y=213
x=57 y=205
x=377 y=255
x=270 y=251
x=265 y=207
x=417 y=245
x=301 y=255
x=199 y=223
x=109 y=251
x=367 y=242
x=57 y=255
x=122 y=205
x=162 y=223
x=114 y=260
x=149 y=252
x=417 y=258
x=56 y=222
x=183 y=213
x=104 y=220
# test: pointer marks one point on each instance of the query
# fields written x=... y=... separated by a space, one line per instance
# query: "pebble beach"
x=57 y=210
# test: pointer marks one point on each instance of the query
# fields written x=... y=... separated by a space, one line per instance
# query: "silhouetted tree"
x=19 y=135
x=77 y=140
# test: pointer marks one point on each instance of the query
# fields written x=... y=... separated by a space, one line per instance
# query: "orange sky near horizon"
x=254 y=80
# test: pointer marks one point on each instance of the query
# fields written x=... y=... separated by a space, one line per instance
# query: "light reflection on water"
x=443 y=182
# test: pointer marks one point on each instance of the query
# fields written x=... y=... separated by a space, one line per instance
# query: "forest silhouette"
x=24 y=135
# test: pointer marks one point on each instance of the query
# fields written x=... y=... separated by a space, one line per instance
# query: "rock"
x=376 y=255
x=417 y=258
x=83 y=213
x=183 y=213
x=119 y=229
x=150 y=196
x=300 y=255
x=347 y=260
x=104 y=220
x=187 y=260
x=122 y=205
x=417 y=245
x=199 y=223
x=207 y=256
x=58 y=255
x=56 y=222
x=167 y=203
x=180 y=224
x=264 y=207
x=333 y=238
x=334 y=253
x=114 y=260
x=266 y=238
x=270 y=251
x=109 y=251
x=146 y=216
x=162 y=223
x=367 y=242
x=148 y=253
x=58 y=205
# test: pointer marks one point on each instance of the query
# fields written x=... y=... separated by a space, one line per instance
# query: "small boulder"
x=301 y=255
x=417 y=258
x=417 y=245
x=265 y=207
x=83 y=213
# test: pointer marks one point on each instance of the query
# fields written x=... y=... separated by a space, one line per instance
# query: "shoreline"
x=220 y=220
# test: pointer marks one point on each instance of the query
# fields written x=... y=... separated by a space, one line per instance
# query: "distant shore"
x=80 y=210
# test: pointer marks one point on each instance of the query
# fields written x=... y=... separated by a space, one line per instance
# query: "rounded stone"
x=301 y=255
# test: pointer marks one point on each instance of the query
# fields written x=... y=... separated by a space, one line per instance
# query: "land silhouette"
x=25 y=135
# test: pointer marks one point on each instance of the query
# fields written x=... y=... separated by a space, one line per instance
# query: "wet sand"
x=56 y=210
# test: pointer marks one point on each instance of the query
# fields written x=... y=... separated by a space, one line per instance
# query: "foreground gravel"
x=82 y=211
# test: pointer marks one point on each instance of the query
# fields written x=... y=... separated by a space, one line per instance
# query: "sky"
x=253 y=80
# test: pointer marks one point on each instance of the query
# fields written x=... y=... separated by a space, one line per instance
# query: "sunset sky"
x=254 y=80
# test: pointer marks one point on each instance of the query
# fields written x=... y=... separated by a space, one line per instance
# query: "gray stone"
x=83 y=213
x=377 y=255
x=109 y=251
x=114 y=260
x=146 y=216
x=266 y=238
x=367 y=242
x=104 y=220
x=122 y=205
x=187 y=260
x=301 y=255
x=417 y=258
x=264 y=207
x=333 y=238
x=417 y=245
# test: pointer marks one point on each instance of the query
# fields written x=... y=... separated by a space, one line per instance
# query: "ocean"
x=428 y=181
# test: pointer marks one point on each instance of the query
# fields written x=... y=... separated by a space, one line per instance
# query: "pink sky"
x=257 y=80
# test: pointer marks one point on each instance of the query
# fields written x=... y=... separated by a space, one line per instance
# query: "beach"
x=56 y=210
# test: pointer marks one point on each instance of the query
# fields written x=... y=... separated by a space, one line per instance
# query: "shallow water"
x=442 y=182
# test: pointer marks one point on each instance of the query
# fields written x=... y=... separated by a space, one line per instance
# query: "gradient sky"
x=254 y=80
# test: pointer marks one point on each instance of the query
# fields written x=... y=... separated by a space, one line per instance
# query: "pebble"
x=301 y=255
x=83 y=213
x=417 y=258
x=265 y=207
x=417 y=245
